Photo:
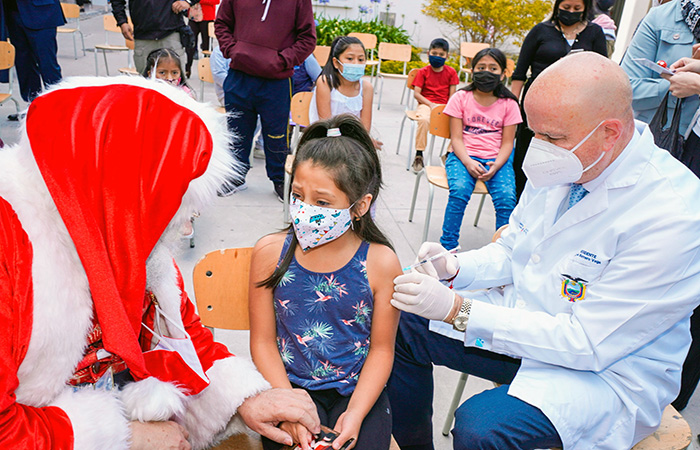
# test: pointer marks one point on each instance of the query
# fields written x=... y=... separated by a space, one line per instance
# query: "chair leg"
x=411 y=142
x=415 y=194
x=97 y=71
x=403 y=94
x=429 y=210
x=381 y=89
x=456 y=398
x=398 y=146
x=82 y=41
x=104 y=53
x=192 y=238
x=16 y=104
x=478 y=211
x=75 y=46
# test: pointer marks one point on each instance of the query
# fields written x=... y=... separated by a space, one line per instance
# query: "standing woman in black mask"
x=483 y=118
x=567 y=30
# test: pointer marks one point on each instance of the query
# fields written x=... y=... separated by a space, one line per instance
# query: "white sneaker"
x=258 y=153
x=228 y=190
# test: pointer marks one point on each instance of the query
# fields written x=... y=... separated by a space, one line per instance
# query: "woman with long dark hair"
x=567 y=30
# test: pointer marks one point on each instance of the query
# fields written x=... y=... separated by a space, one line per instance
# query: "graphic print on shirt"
x=323 y=323
x=479 y=124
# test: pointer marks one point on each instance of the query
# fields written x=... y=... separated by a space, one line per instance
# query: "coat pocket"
x=256 y=60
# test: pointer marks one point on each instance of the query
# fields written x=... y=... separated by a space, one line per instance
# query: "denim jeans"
x=501 y=187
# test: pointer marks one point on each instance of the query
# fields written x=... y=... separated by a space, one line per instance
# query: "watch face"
x=460 y=323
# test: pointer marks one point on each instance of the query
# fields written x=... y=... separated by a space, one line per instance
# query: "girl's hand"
x=492 y=171
x=348 y=425
x=300 y=435
x=474 y=168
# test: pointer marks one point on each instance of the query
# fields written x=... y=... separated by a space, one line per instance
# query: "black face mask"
x=569 y=18
x=486 y=81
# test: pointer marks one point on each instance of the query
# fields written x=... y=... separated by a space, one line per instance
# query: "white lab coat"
x=601 y=368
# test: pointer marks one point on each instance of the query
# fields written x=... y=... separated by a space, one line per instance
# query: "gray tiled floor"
x=241 y=219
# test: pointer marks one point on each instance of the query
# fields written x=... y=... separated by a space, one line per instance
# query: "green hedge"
x=329 y=28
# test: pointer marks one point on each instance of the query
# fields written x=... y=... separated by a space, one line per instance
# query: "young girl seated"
x=483 y=119
x=320 y=317
x=341 y=88
x=164 y=64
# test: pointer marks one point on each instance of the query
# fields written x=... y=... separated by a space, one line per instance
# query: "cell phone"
x=653 y=66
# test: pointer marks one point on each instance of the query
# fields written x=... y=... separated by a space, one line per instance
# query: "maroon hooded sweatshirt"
x=266 y=38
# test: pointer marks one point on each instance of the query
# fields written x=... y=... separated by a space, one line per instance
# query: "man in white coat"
x=583 y=304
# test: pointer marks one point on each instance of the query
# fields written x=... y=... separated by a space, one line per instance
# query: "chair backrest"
x=394 y=52
x=369 y=40
x=300 y=108
x=110 y=23
x=211 y=29
x=205 y=70
x=510 y=68
x=411 y=77
x=468 y=50
x=70 y=10
x=7 y=55
x=221 y=288
x=321 y=53
x=439 y=122
x=129 y=43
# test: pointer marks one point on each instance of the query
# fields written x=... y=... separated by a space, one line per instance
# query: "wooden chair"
x=130 y=70
x=7 y=62
x=322 y=53
x=110 y=26
x=72 y=14
x=436 y=175
x=300 y=118
x=409 y=114
x=392 y=52
x=369 y=41
x=205 y=75
x=221 y=293
x=467 y=50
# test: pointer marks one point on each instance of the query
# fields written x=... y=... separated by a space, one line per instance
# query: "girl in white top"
x=340 y=88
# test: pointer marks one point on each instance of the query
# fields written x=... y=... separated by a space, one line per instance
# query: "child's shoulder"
x=382 y=261
x=270 y=245
x=367 y=85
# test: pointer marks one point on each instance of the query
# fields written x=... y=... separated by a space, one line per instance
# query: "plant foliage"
x=490 y=21
x=329 y=28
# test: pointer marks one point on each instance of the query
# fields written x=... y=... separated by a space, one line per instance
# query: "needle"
x=434 y=257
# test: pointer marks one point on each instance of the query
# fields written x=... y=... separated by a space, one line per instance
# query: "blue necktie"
x=576 y=193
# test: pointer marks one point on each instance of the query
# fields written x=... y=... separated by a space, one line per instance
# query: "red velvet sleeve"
x=21 y=426
x=203 y=340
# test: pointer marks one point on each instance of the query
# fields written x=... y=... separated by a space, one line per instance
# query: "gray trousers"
x=143 y=47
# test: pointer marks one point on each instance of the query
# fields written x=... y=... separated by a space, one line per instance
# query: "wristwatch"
x=459 y=323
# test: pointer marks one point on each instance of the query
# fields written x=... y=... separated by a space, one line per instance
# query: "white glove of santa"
x=423 y=295
x=443 y=267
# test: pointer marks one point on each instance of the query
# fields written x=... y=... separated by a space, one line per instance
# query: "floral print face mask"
x=316 y=225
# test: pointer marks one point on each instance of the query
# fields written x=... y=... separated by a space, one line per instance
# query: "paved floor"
x=241 y=219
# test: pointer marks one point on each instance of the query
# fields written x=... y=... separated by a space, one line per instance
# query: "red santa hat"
x=120 y=157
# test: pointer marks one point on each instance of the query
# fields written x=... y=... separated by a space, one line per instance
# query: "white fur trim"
x=97 y=419
x=162 y=282
x=62 y=302
x=209 y=414
x=152 y=400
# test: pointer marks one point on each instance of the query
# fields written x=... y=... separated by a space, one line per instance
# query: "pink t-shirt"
x=483 y=125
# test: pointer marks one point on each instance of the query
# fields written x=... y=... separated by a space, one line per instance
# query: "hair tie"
x=333 y=132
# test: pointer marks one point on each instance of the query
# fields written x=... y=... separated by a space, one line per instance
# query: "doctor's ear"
x=362 y=205
x=613 y=130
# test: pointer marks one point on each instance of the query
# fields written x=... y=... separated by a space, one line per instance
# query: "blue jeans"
x=501 y=186
x=489 y=420
x=249 y=96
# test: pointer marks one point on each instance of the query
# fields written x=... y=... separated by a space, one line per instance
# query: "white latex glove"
x=423 y=295
x=442 y=268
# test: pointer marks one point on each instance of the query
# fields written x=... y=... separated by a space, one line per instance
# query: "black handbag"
x=670 y=138
x=187 y=38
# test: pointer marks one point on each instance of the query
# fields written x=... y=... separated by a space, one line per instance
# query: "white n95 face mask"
x=547 y=164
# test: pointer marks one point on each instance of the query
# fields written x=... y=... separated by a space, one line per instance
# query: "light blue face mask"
x=352 y=72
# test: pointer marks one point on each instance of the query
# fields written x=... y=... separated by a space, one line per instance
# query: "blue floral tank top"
x=323 y=323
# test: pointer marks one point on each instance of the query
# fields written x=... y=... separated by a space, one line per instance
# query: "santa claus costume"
x=105 y=170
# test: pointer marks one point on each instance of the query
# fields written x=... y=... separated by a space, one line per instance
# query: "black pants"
x=375 y=433
x=197 y=28
x=691 y=367
x=523 y=136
